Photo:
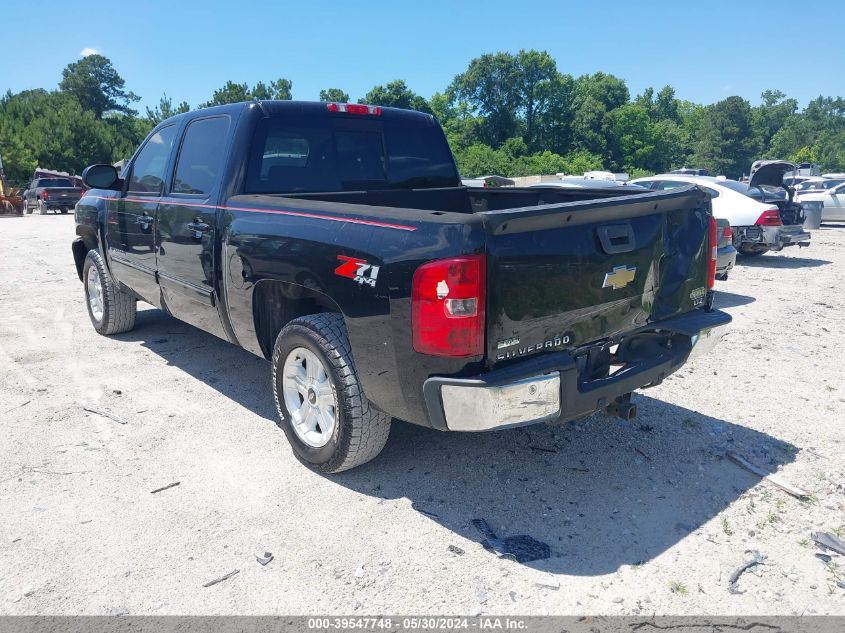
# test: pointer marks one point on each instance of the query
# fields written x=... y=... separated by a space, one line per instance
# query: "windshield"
x=819 y=185
x=307 y=154
x=54 y=182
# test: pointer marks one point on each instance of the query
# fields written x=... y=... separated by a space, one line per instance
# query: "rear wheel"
x=64 y=210
x=111 y=310
x=324 y=413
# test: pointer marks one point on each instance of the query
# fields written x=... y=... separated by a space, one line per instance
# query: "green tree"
x=770 y=116
x=536 y=77
x=97 y=86
x=630 y=137
x=232 y=92
x=594 y=96
x=587 y=125
x=335 y=95
x=553 y=129
x=490 y=86
x=280 y=90
x=725 y=142
x=165 y=110
x=229 y=93
x=396 y=94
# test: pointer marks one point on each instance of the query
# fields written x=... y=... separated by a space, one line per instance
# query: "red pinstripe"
x=298 y=214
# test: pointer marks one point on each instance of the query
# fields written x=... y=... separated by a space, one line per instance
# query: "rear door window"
x=201 y=156
x=311 y=154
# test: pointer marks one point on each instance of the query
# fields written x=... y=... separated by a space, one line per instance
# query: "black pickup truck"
x=336 y=241
x=58 y=194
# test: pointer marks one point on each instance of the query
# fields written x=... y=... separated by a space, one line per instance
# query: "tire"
x=42 y=208
x=359 y=430
x=751 y=252
x=117 y=309
x=63 y=210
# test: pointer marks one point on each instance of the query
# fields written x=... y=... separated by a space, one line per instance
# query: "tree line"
x=508 y=114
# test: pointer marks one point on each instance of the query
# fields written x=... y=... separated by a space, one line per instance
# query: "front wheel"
x=111 y=310
x=323 y=410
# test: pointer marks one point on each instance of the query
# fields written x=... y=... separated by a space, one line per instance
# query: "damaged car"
x=762 y=212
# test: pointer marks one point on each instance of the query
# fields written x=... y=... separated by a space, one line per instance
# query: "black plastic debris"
x=829 y=541
x=756 y=559
x=457 y=551
x=264 y=560
x=521 y=548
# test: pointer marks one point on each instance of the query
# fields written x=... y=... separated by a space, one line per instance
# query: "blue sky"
x=707 y=51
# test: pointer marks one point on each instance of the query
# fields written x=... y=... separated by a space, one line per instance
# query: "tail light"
x=728 y=234
x=447 y=306
x=714 y=252
x=44 y=195
x=353 y=108
x=770 y=217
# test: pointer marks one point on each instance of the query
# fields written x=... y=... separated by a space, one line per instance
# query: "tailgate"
x=566 y=275
x=61 y=194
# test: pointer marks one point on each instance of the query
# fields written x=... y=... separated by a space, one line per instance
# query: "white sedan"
x=831 y=200
x=761 y=217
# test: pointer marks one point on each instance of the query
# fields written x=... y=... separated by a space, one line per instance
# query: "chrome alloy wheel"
x=95 y=293
x=309 y=397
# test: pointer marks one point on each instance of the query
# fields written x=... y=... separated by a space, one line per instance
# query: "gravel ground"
x=642 y=517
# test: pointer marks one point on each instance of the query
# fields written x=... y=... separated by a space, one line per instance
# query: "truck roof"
x=275 y=107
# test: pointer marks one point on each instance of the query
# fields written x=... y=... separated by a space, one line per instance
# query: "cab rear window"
x=54 y=182
x=302 y=154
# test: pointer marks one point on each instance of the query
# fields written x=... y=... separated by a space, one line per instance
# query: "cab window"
x=151 y=163
x=201 y=156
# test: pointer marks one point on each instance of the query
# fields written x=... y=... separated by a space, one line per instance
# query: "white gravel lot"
x=642 y=517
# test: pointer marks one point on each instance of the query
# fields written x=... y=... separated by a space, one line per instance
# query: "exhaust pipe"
x=622 y=407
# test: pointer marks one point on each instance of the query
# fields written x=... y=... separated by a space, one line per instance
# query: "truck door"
x=187 y=226
x=130 y=218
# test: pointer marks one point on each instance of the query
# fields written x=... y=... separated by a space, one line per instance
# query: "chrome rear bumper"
x=481 y=408
x=556 y=387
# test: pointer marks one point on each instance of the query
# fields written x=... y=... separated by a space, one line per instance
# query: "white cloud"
x=85 y=52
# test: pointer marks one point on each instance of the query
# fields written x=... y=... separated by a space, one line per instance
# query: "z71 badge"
x=358 y=269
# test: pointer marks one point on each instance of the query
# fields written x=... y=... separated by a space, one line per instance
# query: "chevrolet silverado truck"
x=44 y=194
x=337 y=242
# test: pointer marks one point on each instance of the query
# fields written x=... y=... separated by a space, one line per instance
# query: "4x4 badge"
x=620 y=277
x=358 y=269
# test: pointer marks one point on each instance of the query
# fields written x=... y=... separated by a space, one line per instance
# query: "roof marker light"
x=354 y=108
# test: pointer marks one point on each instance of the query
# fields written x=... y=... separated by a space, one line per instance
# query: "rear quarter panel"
x=305 y=244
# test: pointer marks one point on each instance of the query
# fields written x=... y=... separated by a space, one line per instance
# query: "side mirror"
x=101 y=177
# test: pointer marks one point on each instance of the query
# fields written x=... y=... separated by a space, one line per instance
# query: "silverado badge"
x=620 y=277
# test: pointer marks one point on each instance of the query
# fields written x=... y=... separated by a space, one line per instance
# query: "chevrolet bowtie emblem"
x=619 y=278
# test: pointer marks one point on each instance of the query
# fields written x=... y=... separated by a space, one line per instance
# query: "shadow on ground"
x=770 y=260
x=601 y=492
x=223 y=366
x=731 y=299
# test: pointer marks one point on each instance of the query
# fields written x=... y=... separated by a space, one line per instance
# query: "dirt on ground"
x=641 y=517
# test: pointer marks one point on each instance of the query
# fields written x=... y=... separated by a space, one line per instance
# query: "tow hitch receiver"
x=622 y=407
